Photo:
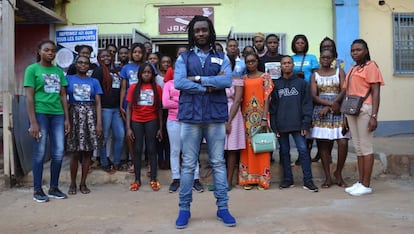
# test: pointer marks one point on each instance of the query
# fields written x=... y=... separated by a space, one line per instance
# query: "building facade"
x=387 y=26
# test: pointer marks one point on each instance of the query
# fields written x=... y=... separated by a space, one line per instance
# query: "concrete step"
x=98 y=176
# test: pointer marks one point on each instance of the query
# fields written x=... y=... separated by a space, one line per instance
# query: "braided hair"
x=137 y=91
x=106 y=71
x=190 y=29
x=39 y=48
x=365 y=45
x=334 y=52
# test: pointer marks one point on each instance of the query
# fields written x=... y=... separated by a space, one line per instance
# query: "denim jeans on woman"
x=52 y=127
x=111 y=120
x=149 y=131
x=191 y=136
x=173 y=128
x=304 y=158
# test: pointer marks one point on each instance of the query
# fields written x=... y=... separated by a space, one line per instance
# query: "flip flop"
x=326 y=185
x=342 y=184
x=84 y=189
x=72 y=190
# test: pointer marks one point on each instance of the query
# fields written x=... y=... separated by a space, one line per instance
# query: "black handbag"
x=351 y=105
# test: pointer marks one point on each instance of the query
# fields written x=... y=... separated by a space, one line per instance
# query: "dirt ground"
x=112 y=208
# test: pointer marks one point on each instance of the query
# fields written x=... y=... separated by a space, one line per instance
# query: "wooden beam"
x=7 y=80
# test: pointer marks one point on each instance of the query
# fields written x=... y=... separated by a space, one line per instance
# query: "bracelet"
x=264 y=119
x=374 y=116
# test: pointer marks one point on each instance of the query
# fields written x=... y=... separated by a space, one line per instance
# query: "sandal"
x=248 y=187
x=326 y=185
x=131 y=169
x=84 y=189
x=339 y=180
x=155 y=185
x=72 y=190
x=134 y=186
x=109 y=169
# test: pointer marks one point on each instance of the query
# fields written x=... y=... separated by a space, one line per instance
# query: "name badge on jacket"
x=219 y=61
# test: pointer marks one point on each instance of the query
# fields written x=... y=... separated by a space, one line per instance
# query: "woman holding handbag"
x=255 y=168
x=363 y=80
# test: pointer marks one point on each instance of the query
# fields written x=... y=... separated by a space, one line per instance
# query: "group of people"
x=221 y=98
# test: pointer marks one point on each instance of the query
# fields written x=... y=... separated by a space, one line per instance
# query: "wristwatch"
x=197 y=78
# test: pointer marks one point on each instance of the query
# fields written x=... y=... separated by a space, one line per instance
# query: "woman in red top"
x=144 y=118
x=365 y=77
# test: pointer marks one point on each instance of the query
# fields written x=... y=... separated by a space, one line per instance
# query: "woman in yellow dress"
x=255 y=168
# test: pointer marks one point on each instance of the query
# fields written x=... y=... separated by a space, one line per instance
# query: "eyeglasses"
x=251 y=61
x=82 y=63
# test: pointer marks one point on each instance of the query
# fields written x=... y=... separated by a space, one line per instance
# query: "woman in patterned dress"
x=327 y=120
x=235 y=135
x=255 y=168
x=85 y=120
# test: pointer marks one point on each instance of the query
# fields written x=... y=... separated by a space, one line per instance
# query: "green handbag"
x=263 y=141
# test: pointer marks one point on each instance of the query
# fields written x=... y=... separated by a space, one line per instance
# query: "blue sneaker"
x=56 y=193
x=182 y=220
x=225 y=216
x=40 y=196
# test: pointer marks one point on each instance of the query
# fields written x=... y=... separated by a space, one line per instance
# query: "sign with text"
x=175 y=19
x=68 y=37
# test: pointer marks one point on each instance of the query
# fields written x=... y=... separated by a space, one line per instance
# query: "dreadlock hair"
x=106 y=72
x=137 y=91
x=334 y=52
x=39 y=47
x=364 y=44
x=190 y=29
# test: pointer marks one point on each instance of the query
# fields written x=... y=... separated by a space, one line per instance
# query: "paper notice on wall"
x=68 y=37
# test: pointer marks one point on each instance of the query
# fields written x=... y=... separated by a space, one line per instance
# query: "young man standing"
x=202 y=74
x=292 y=93
x=259 y=44
x=270 y=62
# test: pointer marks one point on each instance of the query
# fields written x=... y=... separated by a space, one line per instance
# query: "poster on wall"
x=68 y=37
x=174 y=20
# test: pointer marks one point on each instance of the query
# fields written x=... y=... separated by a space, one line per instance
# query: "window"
x=245 y=39
x=121 y=40
x=403 y=24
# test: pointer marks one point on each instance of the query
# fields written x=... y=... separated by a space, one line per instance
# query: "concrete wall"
x=312 y=18
x=376 y=28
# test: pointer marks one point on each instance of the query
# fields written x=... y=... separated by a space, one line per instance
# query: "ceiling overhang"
x=31 y=12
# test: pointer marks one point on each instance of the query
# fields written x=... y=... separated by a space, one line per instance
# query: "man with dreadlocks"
x=202 y=74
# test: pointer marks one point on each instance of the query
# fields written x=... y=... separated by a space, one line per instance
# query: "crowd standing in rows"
x=165 y=108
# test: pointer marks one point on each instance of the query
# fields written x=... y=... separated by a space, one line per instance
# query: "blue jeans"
x=111 y=120
x=52 y=127
x=173 y=128
x=191 y=136
x=304 y=158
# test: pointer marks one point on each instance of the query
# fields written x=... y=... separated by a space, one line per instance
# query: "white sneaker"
x=361 y=190
x=353 y=187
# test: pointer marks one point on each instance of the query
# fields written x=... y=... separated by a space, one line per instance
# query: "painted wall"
x=26 y=50
x=376 y=29
x=312 y=18
x=346 y=28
